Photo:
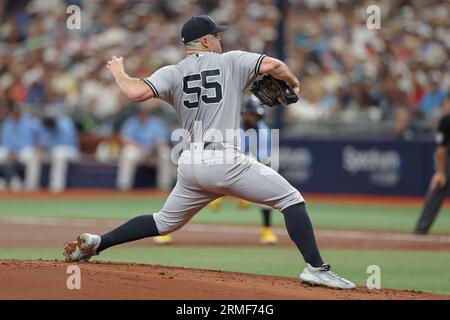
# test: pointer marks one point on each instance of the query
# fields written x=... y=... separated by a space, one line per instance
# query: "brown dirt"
x=374 y=200
x=47 y=280
x=53 y=232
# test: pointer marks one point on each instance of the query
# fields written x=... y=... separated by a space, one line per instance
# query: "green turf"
x=324 y=215
x=409 y=270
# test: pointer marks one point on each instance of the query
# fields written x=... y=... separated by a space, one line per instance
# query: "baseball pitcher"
x=205 y=90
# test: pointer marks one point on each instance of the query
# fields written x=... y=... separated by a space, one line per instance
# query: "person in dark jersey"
x=439 y=185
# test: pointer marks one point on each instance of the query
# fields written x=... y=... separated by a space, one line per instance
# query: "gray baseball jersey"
x=195 y=87
x=206 y=89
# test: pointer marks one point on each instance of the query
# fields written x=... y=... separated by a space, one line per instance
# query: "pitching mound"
x=48 y=280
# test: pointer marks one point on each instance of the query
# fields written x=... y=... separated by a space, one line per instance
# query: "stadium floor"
x=36 y=226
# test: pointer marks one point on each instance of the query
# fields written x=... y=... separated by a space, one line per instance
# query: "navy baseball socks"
x=137 y=228
x=300 y=230
x=297 y=221
x=266 y=217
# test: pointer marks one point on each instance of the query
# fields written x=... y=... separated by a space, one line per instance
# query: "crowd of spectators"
x=28 y=142
x=398 y=73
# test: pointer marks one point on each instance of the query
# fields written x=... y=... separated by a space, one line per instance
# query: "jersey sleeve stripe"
x=258 y=64
x=152 y=87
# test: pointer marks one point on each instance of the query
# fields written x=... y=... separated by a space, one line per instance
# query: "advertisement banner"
x=368 y=167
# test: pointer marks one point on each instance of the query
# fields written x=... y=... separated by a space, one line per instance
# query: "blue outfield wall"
x=319 y=165
x=95 y=175
x=356 y=166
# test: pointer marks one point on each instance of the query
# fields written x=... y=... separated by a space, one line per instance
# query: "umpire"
x=439 y=185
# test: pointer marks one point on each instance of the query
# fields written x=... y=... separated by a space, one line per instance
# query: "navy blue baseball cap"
x=199 y=26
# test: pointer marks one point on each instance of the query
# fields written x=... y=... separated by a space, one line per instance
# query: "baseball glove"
x=271 y=91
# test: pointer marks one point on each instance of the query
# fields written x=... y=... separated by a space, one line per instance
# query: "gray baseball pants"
x=205 y=175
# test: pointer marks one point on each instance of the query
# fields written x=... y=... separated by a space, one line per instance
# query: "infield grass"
x=323 y=215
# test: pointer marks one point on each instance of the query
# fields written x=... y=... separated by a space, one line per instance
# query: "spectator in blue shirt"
x=145 y=140
x=59 y=140
x=19 y=145
x=434 y=98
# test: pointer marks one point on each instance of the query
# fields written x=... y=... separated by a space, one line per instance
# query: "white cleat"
x=323 y=276
x=83 y=248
